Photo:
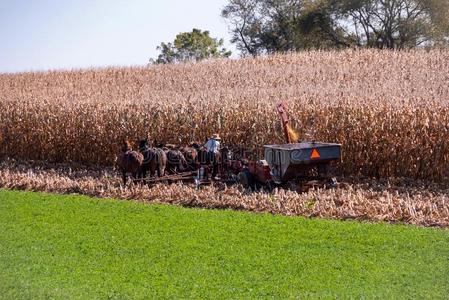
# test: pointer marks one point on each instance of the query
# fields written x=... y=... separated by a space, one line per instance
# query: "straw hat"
x=216 y=136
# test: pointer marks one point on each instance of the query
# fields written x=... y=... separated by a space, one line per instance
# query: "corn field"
x=390 y=110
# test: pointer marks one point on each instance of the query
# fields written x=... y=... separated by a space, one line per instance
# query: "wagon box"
x=286 y=161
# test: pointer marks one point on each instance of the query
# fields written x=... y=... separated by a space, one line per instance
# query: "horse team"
x=160 y=159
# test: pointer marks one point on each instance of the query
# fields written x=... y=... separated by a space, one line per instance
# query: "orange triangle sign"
x=315 y=154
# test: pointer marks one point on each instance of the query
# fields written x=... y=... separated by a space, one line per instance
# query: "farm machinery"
x=294 y=165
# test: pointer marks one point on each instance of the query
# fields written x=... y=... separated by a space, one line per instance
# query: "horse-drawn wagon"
x=294 y=165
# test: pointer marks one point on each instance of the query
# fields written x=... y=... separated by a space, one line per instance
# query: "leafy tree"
x=265 y=26
x=394 y=24
x=191 y=46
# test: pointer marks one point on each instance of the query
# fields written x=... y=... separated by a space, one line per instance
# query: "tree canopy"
x=191 y=46
x=394 y=24
x=265 y=26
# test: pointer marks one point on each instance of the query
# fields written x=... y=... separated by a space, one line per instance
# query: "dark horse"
x=129 y=161
x=154 y=160
x=176 y=162
x=179 y=159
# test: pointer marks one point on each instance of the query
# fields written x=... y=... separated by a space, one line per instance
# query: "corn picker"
x=294 y=165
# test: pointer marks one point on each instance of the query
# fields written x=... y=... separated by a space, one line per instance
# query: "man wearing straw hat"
x=213 y=149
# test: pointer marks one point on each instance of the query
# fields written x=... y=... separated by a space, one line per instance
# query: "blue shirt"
x=212 y=145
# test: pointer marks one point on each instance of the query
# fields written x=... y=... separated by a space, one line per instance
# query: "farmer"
x=213 y=144
x=213 y=152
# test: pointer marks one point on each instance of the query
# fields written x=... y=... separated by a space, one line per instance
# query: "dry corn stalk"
x=389 y=109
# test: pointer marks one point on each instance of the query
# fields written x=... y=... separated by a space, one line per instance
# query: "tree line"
x=269 y=26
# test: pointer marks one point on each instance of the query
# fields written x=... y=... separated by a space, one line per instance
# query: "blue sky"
x=52 y=34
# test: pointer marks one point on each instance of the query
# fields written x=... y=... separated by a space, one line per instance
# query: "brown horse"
x=129 y=161
x=191 y=156
x=155 y=160
x=176 y=162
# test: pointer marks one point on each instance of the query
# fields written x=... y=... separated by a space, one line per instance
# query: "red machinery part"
x=260 y=170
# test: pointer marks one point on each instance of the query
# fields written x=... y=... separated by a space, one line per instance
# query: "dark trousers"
x=212 y=159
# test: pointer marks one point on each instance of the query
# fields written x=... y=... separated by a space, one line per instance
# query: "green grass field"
x=55 y=246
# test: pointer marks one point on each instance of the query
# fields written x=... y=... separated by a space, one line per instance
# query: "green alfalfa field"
x=54 y=246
